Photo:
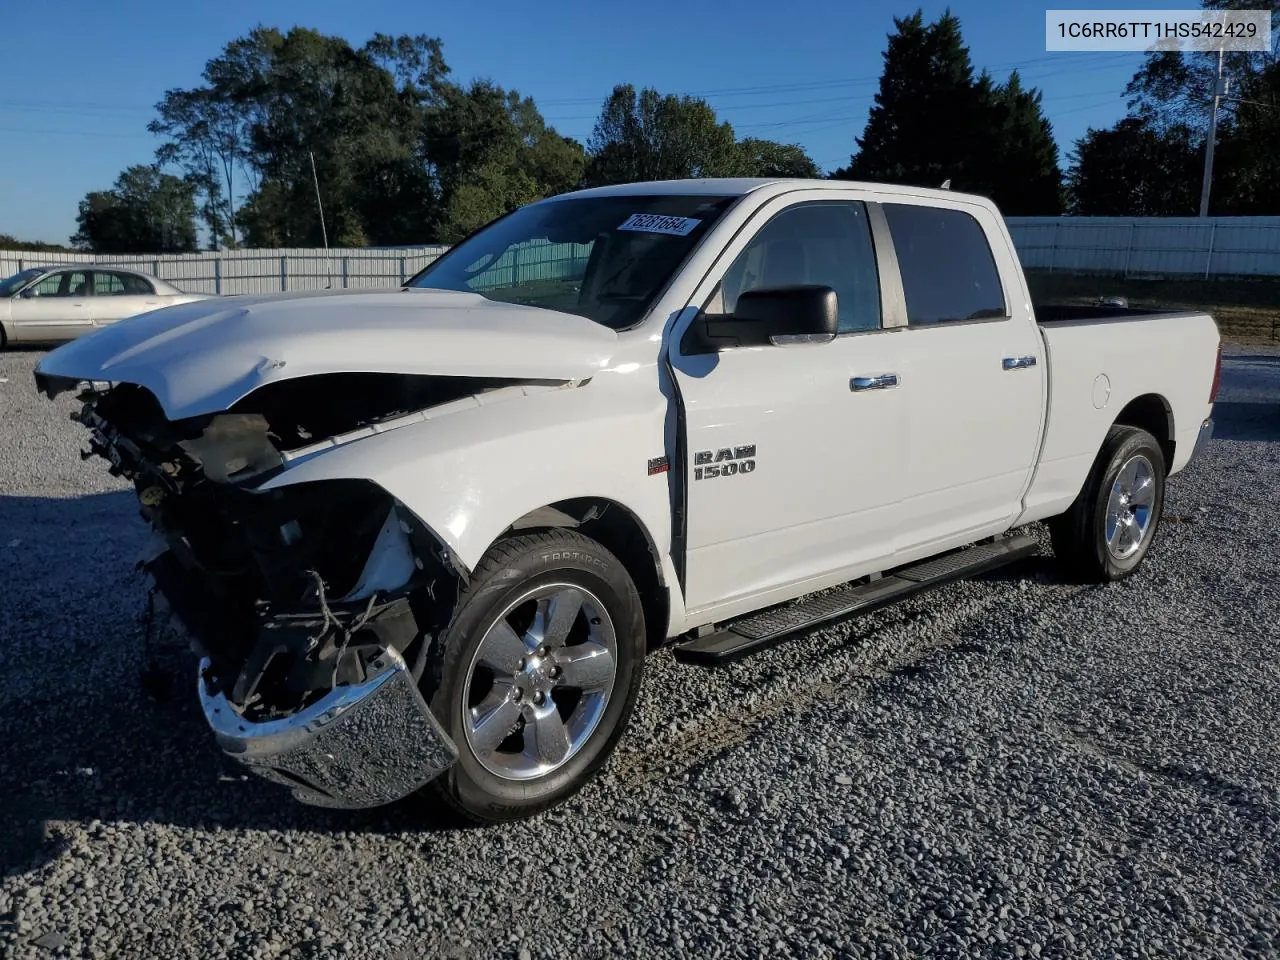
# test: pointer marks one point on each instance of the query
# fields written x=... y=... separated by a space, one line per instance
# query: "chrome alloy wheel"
x=540 y=681
x=1129 y=507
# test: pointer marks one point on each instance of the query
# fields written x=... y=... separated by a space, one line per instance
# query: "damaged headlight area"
x=289 y=593
x=312 y=606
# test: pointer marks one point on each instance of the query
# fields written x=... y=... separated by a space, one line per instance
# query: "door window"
x=68 y=284
x=136 y=286
x=948 y=272
x=108 y=284
x=826 y=243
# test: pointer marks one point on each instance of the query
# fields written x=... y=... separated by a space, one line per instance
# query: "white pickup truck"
x=426 y=537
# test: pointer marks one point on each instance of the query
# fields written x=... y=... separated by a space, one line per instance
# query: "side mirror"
x=28 y=293
x=802 y=313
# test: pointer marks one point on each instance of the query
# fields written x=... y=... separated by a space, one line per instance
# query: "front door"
x=793 y=452
x=975 y=362
x=56 y=308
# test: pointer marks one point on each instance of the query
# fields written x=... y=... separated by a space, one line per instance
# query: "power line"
x=1088 y=106
x=80 y=133
x=1109 y=57
x=745 y=91
x=1256 y=103
x=816 y=121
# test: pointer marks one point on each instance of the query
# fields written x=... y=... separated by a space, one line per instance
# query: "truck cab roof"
x=740 y=186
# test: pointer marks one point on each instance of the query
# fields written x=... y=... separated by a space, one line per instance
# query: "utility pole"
x=1219 y=91
x=323 y=230
x=319 y=206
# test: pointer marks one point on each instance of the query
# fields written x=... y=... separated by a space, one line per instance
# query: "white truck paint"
x=788 y=468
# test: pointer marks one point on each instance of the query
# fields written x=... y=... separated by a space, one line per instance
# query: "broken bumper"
x=362 y=745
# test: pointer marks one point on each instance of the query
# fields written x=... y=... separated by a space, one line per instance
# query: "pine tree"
x=933 y=121
x=920 y=127
x=1021 y=156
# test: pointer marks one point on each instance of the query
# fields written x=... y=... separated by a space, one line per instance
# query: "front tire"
x=1106 y=533
x=536 y=675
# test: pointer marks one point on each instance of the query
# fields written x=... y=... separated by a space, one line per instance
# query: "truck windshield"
x=19 y=280
x=604 y=258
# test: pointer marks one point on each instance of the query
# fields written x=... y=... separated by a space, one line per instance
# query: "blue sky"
x=78 y=79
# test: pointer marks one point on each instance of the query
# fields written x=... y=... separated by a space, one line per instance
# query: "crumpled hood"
x=200 y=358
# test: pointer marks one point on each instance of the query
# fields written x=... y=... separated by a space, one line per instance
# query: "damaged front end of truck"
x=312 y=606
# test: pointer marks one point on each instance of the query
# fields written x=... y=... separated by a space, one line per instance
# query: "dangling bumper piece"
x=362 y=745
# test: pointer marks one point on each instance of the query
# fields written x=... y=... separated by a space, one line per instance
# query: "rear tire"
x=1106 y=533
x=536 y=675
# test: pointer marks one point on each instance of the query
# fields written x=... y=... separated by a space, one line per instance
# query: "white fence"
x=231 y=272
x=1150 y=246
x=1128 y=246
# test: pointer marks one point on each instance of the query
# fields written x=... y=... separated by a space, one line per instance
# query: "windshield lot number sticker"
x=726 y=462
x=656 y=223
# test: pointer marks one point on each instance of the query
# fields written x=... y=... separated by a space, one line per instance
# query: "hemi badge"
x=658 y=465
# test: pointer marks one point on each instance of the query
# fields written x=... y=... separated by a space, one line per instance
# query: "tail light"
x=1217 y=376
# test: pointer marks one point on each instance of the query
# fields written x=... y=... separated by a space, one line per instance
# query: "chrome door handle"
x=883 y=382
x=1017 y=363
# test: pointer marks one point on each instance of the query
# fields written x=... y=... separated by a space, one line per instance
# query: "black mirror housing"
x=800 y=313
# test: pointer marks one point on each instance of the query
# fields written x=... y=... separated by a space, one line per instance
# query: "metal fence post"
x=217 y=276
x=344 y=273
x=284 y=274
x=1128 y=253
x=1208 y=260
x=1053 y=245
x=155 y=268
x=402 y=276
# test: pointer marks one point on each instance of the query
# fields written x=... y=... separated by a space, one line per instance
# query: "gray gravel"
x=1009 y=767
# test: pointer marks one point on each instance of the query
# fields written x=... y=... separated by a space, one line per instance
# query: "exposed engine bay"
x=290 y=593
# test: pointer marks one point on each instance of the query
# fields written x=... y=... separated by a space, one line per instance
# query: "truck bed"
x=1101 y=358
x=1059 y=313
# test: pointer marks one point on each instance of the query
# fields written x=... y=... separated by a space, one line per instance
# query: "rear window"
x=948 y=272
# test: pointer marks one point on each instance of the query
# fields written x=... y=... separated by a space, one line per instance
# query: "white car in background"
x=46 y=304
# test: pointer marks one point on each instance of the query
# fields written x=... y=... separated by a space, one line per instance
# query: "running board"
x=746 y=635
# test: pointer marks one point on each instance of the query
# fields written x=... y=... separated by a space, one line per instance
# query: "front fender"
x=470 y=474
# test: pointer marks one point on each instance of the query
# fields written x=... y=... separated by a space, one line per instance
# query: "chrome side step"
x=746 y=635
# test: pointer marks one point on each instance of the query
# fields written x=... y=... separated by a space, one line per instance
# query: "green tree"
x=767 y=158
x=1021 y=158
x=302 y=95
x=206 y=139
x=1135 y=170
x=1174 y=91
x=933 y=121
x=147 y=211
x=489 y=151
x=649 y=136
x=921 y=129
x=1247 y=162
x=401 y=153
x=9 y=242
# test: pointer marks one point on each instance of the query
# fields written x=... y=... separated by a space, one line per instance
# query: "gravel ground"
x=1008 y=767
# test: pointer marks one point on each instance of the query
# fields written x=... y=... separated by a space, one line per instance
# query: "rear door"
x=974 y=360
x=793 y=452
x=59 y=307
x=117 y=295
